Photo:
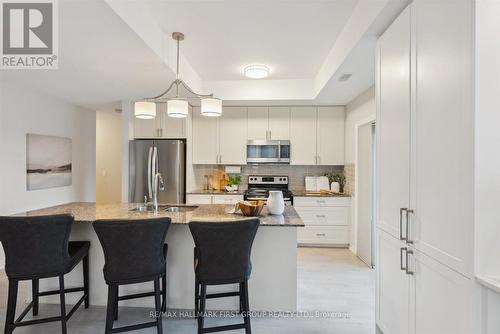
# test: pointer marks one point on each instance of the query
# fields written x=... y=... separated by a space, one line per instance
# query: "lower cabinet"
x=213 y=199
x=326 y=220
x=418 y=295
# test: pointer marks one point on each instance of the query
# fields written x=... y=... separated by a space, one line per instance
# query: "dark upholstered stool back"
x=35 y=246
x=222 y=253
x=133 y=249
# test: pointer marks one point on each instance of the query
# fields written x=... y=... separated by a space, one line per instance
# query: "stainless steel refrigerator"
x=148 y=157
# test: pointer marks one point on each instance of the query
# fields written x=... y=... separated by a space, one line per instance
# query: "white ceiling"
x=114 y=50
x=292 y=37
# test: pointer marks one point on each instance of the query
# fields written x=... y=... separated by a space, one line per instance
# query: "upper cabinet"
x=271 y=123
x=233 y=136
x=317 y=135
x=160 y=127
x=205 y=139
x=330 y=136
x=220 y=140
x=303 y=136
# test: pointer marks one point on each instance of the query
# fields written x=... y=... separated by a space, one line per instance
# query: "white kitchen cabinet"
x=425 y=164
x=233 y=136
x=326 y=220
x=317 y=135
x=160 y=127
x=258 y=123
x=271 y=123
x=205 y=138
x=213 y=199
x=279 y=123
x=440 y=297
x=303 y=136
x=393 y=125
x=330 y=136
x=393 y=286
x=442 y=185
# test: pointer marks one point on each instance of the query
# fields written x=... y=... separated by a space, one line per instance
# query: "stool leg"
x=63 y=304
x=34 y=294
x=248 y=329
x=110 y=312
x=164 y=292
x=158 y=314
x=242 y=306
x=116 y=303
x=11 y=306
x=196 y=297
x=201 y=315
x=85 y=263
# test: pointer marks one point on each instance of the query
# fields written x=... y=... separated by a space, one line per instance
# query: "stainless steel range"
x=260 y=185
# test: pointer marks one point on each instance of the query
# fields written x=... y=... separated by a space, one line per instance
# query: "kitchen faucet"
x=157 y=184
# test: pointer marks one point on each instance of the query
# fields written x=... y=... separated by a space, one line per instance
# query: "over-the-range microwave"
x=268 y=151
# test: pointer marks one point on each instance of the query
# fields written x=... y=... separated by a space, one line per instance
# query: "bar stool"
x=35 y=248
x=134 y=252
x=222 y=256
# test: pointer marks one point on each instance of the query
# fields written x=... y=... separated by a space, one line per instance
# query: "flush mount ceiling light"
x=178 y=106
x=256 y=71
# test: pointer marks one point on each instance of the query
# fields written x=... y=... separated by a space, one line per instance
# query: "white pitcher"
x=276 y=203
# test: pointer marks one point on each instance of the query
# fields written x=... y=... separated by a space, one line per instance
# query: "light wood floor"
x=329 y=280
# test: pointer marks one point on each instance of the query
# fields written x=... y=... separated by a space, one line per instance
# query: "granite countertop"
x=89 y=212
x=302 y=193
x=216 y=192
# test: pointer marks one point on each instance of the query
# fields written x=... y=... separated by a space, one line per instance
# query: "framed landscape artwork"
x=48 y=161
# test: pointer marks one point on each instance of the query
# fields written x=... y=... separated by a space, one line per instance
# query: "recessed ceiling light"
x=256 y=71
x=345 y=77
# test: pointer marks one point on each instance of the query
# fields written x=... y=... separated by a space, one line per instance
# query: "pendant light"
x=145 y=110
x=178 y=107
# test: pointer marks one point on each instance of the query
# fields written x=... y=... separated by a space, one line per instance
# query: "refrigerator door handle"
x=150 y=193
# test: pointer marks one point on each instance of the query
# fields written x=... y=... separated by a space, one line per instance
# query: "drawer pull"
x=320 y=234
x=321 y=201
x=320 y=216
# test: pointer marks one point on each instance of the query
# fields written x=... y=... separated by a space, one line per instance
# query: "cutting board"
x=218 y=180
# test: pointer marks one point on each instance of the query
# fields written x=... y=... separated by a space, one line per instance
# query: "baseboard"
x=323 y=245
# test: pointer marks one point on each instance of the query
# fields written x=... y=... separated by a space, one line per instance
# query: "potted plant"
x=233 y=181
x=337 y=177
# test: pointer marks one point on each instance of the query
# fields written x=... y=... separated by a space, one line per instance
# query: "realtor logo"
x=29 y=34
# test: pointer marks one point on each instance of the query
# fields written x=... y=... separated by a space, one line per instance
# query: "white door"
x=257 y=123
x=303 y=135
x=441 y=298
x=233 y=136
x=392 y=309
x=442 y=187
x=330 y=136
x=279 y=123
x=364 y=193
x=393 y=130
x=205 y=138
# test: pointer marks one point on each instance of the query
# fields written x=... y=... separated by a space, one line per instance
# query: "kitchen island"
x=272 y=285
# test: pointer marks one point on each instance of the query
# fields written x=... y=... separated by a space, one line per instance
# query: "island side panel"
x=272 y=286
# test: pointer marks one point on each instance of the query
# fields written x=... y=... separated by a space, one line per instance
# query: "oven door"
x=267 y=151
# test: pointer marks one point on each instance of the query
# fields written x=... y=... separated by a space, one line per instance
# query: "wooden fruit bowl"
x=250 y=208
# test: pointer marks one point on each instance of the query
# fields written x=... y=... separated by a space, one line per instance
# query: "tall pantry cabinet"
x=425 y=162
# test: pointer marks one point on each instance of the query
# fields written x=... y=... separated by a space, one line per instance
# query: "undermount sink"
x=181 y=208
x=168 y=208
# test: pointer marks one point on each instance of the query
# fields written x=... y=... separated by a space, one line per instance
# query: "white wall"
x=23 y=111
x=361 y=108
x=487 y=159
x=108 y=156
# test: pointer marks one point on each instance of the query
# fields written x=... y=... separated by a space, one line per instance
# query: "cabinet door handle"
x=319 y=160
x=320 y=216
x=270 y=135
x=320 y=234
x=408 y=272
x=401 y=265
x=408 y=240
x=401 y=237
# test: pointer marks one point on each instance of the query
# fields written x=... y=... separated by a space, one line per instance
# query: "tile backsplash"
x=296 y=174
